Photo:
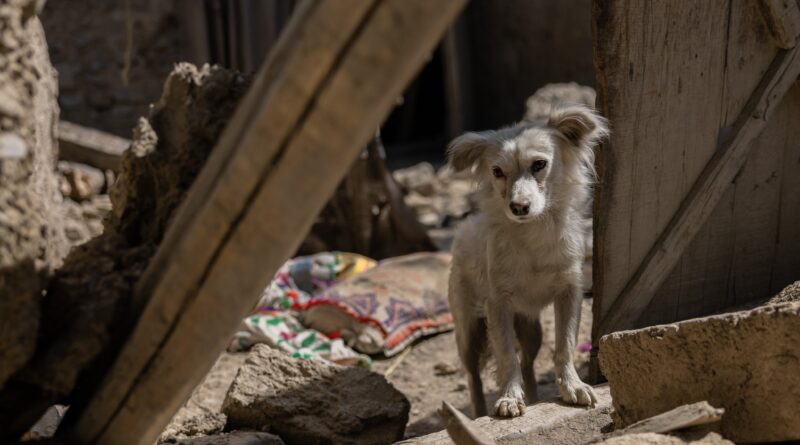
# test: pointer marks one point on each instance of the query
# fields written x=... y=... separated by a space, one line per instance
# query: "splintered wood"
x=332 y=79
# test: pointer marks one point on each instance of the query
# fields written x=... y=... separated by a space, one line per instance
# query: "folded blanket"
x=281 y=330
x=322 y=305
x=386 y=308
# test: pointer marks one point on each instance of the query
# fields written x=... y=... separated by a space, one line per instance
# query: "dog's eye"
x=497 y=172
x=538 y=165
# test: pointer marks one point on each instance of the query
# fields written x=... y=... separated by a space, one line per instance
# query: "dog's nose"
x=520 y=208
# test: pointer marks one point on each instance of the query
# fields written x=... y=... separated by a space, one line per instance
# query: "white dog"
x=523 y=250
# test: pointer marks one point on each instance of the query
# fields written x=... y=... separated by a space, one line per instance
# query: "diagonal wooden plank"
x=705 y=193
x=783 y=20
x=265 y=182
x=295 y=69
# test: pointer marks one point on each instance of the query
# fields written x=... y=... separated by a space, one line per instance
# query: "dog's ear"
x=579 y=124
x=467 y=149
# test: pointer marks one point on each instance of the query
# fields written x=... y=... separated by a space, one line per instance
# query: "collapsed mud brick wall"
x=745 y=362
x=87 y=310
x=31 y=238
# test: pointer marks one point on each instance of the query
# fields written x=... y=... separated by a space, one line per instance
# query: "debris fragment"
x=685 y=416
x=314 y=402
x=234 y=438
x=460 y=428
x=732 y=360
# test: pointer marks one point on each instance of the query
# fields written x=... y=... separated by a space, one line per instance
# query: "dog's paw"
x=509 y=407
x=576 y=392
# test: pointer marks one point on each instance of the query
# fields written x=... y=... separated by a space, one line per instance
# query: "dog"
x=523 y=250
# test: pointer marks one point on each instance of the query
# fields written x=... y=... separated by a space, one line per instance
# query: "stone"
x=745 y=362
x=82 y=181
x=313 y=402
x=202 y=424
x=546 y=422
x=538 y=106
x=47 y=425
x=419 y=178
x=789 y=293
x=234 y=438
x=708 y=438
x=443 y=368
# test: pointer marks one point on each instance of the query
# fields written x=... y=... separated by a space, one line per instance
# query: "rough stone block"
x=745 y=362
x=708 y=438
x=312 y=402
x=548 y=422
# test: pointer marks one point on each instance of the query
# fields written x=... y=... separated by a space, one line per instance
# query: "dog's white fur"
x=507 y=267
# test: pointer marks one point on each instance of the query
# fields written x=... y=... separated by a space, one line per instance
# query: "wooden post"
x=331 y=80
x=705 y=194
x=694 y=210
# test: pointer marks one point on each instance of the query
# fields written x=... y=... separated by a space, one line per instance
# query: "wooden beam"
x=783 y=20
x=331 y=80
x=460 y=428
x=99 y=149
x=706 y=192
x=676 y=419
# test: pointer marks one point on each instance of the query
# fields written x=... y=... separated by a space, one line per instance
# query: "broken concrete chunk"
x=313 y=402
x=234 y=438
x=745 y=362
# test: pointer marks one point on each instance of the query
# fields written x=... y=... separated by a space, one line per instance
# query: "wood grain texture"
x=705 y=195
x=99 y=149
x=784 y=135
x=330 y=82
x=703 y=281
x=674 y=82
x=650 y=75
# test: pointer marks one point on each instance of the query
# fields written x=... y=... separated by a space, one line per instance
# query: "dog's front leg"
x=500 y=325
x=568 y=312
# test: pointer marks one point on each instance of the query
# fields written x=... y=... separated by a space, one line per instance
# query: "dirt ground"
x=427 y=374
x=431 y=372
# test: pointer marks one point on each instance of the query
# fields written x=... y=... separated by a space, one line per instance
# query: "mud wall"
x=518 y=46
x=107 y=80
x=31 y=236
